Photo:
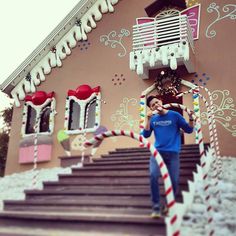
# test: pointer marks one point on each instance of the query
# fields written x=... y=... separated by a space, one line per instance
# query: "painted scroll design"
x=224 y=111
x=123 y=119
x=230 y=9
x=115 y=40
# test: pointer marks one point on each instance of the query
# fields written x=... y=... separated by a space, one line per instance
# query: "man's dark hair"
x=149 y=99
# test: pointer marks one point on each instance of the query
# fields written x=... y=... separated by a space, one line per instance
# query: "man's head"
x=153 y=102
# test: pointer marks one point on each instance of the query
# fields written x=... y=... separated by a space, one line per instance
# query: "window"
x=82 y=115
x=45 y=122
x=31 y=118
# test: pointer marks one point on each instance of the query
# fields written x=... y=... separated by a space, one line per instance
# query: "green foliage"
x=4 y=137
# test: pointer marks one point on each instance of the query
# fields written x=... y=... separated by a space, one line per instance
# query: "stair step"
x=134 y=162
x=131 y=166
x=110 y=180
x=104 y=158
x=183 y=147
x=99 y=222
x=30 y=231
x=148 y=154
x=145 y=173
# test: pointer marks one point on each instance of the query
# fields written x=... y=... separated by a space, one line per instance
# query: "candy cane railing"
x=202 y=160
x=209 y=117
x=171 y=204
x=214 y=144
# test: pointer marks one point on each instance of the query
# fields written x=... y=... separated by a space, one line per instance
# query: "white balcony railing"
x=165 y=39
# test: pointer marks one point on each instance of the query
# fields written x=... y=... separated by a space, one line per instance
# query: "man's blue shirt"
x=167 y=131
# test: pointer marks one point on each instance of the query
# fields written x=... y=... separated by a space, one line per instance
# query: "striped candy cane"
x=213 y=140
x=202 y=160
x=164 y=172
x=219 y=161
x=36 y=129
x=209 y=117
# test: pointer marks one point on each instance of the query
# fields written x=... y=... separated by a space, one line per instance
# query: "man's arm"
x=186 y=126
x=147 y=128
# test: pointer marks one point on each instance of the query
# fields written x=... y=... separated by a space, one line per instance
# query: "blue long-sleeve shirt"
x=167 y=131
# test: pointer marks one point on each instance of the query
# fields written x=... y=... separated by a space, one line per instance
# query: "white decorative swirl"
x=122 y=119
x=224 y=111
x=229 y=8
x=192 y=22
x=113 y=39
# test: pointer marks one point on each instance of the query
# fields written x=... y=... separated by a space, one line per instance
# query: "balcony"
x=162 y=42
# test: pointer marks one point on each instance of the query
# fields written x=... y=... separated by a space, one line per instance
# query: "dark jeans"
x=171 y=160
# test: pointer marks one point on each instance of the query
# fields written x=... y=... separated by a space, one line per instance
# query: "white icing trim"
x=38 y=108
x=166 y=55
x=63 y=49
x=83 y=104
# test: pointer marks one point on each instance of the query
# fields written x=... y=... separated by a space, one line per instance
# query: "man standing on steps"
x=166 y=125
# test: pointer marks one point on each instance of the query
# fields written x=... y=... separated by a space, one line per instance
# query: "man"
x=166 y=125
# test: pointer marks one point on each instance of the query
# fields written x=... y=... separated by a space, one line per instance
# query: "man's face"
x=155 y=103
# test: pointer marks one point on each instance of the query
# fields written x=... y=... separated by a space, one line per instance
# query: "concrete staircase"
x=110 y=196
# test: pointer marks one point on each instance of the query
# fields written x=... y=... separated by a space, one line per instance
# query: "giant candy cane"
x=202 y=160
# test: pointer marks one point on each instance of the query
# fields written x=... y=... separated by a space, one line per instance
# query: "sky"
x=24 y=25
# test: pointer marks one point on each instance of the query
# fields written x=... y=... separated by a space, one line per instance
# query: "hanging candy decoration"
x=83 y=91
x=39 y=97
x=167 y=82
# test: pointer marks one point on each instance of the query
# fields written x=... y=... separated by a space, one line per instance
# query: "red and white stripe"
x=202 y=159
x=217 y=163
x=163 y=169
x=209 y=116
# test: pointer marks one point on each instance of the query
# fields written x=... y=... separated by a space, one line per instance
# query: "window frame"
x=38 y=109
x=82 y=104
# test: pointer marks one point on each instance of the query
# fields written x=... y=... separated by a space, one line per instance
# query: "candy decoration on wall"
x=64 y=139
x=118 y=80
x=200 y=79
x=39 y=97
x=84 y=45
x=115 y=39
x=83 y=92
x=77 y=143
x=230 y=9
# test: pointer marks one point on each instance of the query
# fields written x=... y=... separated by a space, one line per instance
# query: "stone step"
x=33 y=231
x=147 y=152
x=190 y=158
x=134 y=162
x=99 y=189
x=145 y=173
x=183 y=147
x=143 y=165
x=122 y=180
x=99 y=222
